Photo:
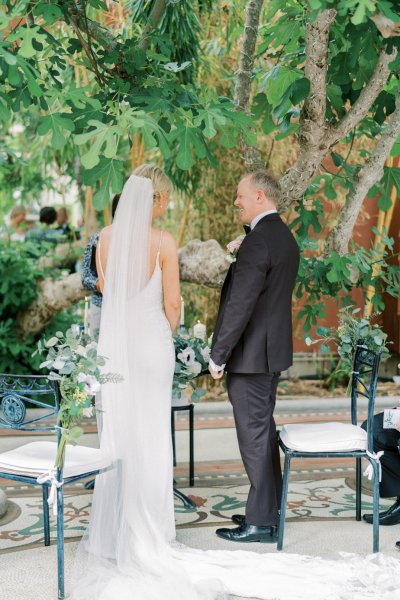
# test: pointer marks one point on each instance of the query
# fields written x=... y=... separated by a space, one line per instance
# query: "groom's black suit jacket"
x=253 y=333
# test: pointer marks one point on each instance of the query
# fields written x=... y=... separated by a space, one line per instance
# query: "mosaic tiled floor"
x=308 y=499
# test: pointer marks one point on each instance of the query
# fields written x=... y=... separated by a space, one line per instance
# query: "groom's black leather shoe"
x=391 y=516
x=250 y=533
x=238 y=519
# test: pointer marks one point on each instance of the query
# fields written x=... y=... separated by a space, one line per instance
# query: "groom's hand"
x=216 y=374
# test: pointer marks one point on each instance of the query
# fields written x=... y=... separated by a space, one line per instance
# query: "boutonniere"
x=233 y=248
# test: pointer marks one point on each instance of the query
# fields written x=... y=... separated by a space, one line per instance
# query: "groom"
x=253 y=342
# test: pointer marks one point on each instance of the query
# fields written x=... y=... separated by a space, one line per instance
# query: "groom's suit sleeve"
x=249 y=278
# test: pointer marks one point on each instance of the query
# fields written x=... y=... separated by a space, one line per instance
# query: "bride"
x=129 y=551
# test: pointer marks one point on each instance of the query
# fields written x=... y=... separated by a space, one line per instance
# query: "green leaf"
x=27 y=35
x=364 y=7
x=56 y=124
x=103 y=134
x=110 y=171
x=49 y=12
x=278 y=84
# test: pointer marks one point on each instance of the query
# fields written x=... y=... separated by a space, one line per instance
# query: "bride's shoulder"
x=106 y=231
x=168 y=240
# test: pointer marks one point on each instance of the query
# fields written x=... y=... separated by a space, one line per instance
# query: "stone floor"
x=320 y=504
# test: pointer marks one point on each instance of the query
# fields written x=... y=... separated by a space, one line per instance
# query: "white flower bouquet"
x=192 y=356
x=72 y=360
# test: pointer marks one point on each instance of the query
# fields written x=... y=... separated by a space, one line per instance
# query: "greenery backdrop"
x=309 y=88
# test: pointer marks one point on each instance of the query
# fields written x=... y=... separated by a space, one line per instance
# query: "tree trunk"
x=199 y=262
x=252 y=156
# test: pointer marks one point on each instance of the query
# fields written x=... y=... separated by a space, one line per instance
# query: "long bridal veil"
x=128 y=551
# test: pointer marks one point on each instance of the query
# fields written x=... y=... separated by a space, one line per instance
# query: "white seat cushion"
x=323 y=437
x=36 y=458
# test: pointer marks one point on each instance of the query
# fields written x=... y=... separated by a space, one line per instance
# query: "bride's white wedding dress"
x=129 y=551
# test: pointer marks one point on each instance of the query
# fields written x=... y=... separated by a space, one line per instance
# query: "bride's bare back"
x=168 y=263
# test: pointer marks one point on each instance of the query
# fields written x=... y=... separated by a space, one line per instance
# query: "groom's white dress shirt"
x=252 y=225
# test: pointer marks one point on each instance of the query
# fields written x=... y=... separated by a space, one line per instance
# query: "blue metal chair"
x=34 y=462
x=339 y=440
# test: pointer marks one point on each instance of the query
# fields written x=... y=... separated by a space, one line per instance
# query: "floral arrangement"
x=353 y=330
x=73 y=361
x=192 y=356
x=233 y=248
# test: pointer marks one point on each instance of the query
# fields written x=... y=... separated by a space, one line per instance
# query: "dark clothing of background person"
x=388 y=441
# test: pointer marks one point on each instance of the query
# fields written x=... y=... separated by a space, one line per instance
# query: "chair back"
x=16 y=391
x=363 y=383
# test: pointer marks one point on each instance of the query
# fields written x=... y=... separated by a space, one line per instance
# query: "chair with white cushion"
x=339 y=440
x=34 y=462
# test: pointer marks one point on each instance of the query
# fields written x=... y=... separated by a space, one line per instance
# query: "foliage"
x=353 y=330
x=73 y=361
x=77 y=81
x=192 y=356
x=131 y=91
x=336 y=276
x=19 y=284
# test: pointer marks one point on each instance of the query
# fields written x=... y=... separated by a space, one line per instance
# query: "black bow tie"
x=247 y=228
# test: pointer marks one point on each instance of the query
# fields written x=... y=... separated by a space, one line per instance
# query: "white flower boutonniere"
x=233 y=248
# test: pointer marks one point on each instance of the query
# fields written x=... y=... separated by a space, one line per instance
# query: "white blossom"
x=91 y=385
x=187 y=356
x=58 y=364
x=205 y=353
x=194 y=368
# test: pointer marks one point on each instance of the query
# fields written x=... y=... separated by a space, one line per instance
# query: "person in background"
x=18 y=225
x=90 y=281
x=387 y=440
x=63 y=223
x=46 y=233
x=90 y=277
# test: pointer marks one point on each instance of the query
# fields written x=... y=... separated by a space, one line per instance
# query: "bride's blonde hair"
x=161 y=182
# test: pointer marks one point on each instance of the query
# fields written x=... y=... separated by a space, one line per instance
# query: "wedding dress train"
x=129 y=551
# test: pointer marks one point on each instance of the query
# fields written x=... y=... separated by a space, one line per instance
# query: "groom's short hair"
x=266 y=182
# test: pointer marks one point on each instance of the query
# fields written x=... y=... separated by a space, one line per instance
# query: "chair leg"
x=375 y=525
x=358 y=489
x=46 y=518
x=191 y=446
x=60 y=542
x=285 y=485
x=173 y=437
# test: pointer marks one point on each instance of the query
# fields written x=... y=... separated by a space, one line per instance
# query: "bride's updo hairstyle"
x=161 y=182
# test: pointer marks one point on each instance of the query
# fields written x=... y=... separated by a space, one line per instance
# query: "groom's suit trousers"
x=253 y=399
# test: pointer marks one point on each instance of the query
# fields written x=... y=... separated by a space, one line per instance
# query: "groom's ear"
x=261 y=197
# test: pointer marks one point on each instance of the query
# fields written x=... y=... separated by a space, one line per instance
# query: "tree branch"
x=366 y=98
x=316 y=67
x=368 y=176
x=54 y=296
x=252 y=156
x=316 y=141
x=96 y=31
x=153 y=22
x=313 y=125
x=203 y=263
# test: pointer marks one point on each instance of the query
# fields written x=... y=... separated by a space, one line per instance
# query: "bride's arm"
x=170 y=279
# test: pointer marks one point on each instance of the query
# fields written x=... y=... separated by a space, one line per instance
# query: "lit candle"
x=199 y=331
x=182 y=320
x=86 y=315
